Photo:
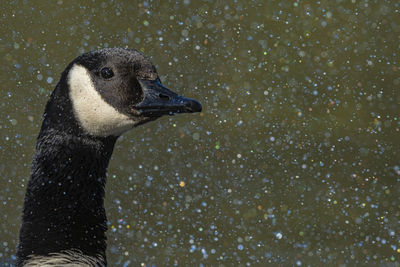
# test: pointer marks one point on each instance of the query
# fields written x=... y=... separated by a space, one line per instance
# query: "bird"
x=100 y=95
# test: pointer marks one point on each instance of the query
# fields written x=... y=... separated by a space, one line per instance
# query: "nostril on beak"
x=163 y=97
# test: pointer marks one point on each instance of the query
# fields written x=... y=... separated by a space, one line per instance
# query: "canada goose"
x=100 y=95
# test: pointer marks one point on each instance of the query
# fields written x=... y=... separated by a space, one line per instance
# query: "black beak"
x=159 y=100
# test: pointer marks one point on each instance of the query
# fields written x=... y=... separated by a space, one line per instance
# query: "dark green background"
x=294 y=159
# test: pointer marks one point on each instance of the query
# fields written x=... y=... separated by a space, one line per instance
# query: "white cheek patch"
x=96 y=116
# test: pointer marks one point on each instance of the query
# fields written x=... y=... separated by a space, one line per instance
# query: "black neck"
x=64 y=202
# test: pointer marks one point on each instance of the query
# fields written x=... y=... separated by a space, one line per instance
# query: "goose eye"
x=106 y=73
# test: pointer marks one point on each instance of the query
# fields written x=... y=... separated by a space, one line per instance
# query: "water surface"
x=293 y=161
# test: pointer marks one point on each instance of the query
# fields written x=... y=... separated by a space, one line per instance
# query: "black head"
x=115 y=89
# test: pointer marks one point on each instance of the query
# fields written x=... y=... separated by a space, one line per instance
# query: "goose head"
x=100 y=95
x=113 y=90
